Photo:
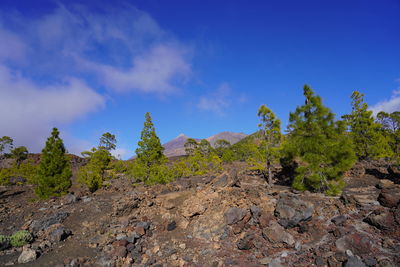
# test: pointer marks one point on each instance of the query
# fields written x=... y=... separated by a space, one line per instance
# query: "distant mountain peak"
x=176 y=147
x=182 y=135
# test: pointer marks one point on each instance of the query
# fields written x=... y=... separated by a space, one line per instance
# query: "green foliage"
x=150 y=158
x=319 y=147
x=119 y=166
x=246 y=148
x=205 y=147
x=107 y=142
x=6 y=144
x=21 y=238
x=221 y=148
x=54 y=173
x=367 y=138
x=26 y=170
x=191 y=146
x=390 y=126
x=228 y=155
x=93 y=174
x=270 y=129
x=19 y=154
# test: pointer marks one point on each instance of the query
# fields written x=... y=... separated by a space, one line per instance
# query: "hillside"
x=232 y=219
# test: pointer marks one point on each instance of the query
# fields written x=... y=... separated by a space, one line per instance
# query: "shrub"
x=93 y=174
x=21 y=238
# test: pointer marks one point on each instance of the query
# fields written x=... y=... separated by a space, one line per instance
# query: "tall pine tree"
x=149 y=152
x=319 y=146
x=54 y=173
x=270 y=128
x=368 y=140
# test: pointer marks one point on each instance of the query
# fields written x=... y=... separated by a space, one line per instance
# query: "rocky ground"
x=231 y=219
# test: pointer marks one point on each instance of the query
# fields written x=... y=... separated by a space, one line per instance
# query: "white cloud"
x=122 y=153
x=28 y=111
x=217 y=101
x=389 y=106
x=52 y=64
x=155 y=71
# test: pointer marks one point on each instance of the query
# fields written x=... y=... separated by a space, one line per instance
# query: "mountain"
x=175 y=147
x=228 y=136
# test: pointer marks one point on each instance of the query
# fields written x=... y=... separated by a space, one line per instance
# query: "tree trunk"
x=269 y=173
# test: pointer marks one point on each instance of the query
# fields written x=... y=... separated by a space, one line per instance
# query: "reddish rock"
x=381 y=219
x=140 y=230
x=119 y=251
x=356 y=242
x=388 y=199
x=120 y=243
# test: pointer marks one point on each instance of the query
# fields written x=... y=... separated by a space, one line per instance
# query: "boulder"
x=276 y=234
x=381 y=219
x=290 y=210
x=44 y=223
x=388 y=199
x=234 y=215
x=246 y=242
x=69 y=199
x=57 y=233
x=27 y=255
x=356 y=242
x=354 y=261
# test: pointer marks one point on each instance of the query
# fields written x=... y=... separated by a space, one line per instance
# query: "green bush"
x=94 y=173
x=119 y=166
x=26 y=170
x=21 y=238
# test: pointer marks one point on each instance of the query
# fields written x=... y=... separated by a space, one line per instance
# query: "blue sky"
x=199 y=67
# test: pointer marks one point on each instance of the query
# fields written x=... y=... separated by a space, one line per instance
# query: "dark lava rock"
x=120 y=243
x=234 y=215
x=145 y=225
x=381 y=219
x=59 y=234
x=4 y=242
x=43 y=224
x=339 y=220
x=290 y=210
x=356 y=242
x=255 y=212
x=69 y=199
x=276 y=234
x=389 y=200
x=119 y=251
x=246 y=242
x=171 y=226
x=354 y=261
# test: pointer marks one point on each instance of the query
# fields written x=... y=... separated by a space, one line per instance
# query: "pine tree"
x=19 y=154
x=270 y=128
x=319 y=146
x=390 y=124
x=150 y=151
x=367 y=139
x=191 y=146
x=54 y=173
x=93 y=173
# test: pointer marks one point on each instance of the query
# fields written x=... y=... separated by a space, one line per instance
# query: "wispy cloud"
x=217 y=101
x=53 y=67
x=389 y=106
x=28 y=111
